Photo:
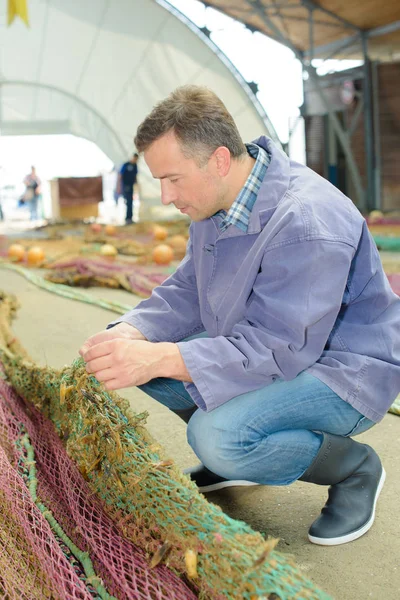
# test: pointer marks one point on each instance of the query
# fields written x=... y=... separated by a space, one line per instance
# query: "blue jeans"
x=128 y=196
x=33 y=206
x=269 y=436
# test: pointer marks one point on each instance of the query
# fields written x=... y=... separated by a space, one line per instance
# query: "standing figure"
x=33 y=192
x=126 y=180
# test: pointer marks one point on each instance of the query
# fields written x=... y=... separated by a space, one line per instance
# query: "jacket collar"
x=272 y=190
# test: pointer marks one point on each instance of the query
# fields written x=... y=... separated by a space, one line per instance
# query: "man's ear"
x=222 y=158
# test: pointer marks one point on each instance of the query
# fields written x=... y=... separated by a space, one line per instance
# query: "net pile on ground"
x=65 y=291
x=87 y=272
x=47 y=512
x=126 y=513
x=115 y=261
x=387 y=243
x=394 y=280
x=63 y=241
x=395 y=408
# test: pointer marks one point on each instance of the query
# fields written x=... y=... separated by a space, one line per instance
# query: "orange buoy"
x=35 y=255
x=110 y=229
x=159 y=232
x=96 y=227
x=178 y=243
x=375 y=216
x=108 y=250
x=16 y=252
x=163 y=254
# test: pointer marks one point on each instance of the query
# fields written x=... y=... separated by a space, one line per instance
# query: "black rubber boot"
x=206 y=480
x=356 y=476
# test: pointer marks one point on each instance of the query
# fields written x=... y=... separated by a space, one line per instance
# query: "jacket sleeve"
x=172 y=312
x=290 y=314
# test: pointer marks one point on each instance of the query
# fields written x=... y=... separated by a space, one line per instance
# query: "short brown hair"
x=199 y=119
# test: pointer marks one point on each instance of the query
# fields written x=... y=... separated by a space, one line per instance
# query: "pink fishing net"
x=91 y=508
x=394 y=280
x=35 y=561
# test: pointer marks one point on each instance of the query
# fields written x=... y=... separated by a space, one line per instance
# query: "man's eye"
x=173 y=180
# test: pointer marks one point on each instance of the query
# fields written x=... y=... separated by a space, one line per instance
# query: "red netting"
x=89 y=503
x=34 y=561
x=394 y=280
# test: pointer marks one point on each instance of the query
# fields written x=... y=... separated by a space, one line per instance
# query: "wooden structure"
x=334 y=24
x=76 y=197
x=364 y=29
x=325 y=156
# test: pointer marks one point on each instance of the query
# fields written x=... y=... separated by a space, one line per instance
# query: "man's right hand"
x=122 y=330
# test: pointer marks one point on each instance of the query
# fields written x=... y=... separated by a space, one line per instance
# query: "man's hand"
x=120 y=331
x=119 y=361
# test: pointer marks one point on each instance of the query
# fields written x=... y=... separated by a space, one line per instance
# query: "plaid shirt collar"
x=240 y=211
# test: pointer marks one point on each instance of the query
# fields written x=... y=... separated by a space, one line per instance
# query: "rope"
x=66 y=291
x=82 y=557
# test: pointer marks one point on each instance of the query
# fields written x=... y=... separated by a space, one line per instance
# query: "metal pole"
x=368 y=128
x=377 y=136
x=311 y=4
x=311 y=32
x=332 y=155
x=341 y=135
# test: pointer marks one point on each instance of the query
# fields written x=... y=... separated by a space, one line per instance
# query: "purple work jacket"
x=302 y=290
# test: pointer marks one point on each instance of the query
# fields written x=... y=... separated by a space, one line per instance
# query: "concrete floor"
x=53 y=328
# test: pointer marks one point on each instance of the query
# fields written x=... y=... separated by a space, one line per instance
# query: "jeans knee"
x=222 y=451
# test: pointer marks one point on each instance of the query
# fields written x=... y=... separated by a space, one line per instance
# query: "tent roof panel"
x=291 y=18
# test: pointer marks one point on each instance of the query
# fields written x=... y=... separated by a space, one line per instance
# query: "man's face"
x=195 y=191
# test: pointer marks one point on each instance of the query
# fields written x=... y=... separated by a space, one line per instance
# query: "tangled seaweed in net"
x=148 y=501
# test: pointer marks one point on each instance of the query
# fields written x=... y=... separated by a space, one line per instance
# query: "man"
x=277 y=338
x=126 y=180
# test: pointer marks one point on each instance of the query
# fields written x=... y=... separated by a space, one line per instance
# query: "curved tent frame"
x=96 y=68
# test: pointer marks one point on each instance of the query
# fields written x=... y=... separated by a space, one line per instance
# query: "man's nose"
x=167 y=192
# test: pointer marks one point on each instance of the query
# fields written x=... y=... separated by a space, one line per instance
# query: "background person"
x=32 y=195
x=126 y=181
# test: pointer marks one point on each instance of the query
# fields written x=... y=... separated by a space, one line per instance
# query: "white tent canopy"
x=95 y=68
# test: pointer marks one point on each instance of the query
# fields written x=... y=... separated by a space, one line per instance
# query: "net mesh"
x=91 y=508
x=36 y=561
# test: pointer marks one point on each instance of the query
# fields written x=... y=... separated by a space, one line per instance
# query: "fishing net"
x=65 y=291
x=91 y=508
x=86 y=272
x=136 y=241
x=56 y=539
x=394 y=280
x=79 y=258
x=387 y=243
x=395 y=408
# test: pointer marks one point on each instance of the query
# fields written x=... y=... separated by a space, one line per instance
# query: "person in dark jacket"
x=126 y=181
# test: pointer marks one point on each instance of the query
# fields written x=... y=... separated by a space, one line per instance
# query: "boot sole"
x=354 y=535
x=213 y=487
